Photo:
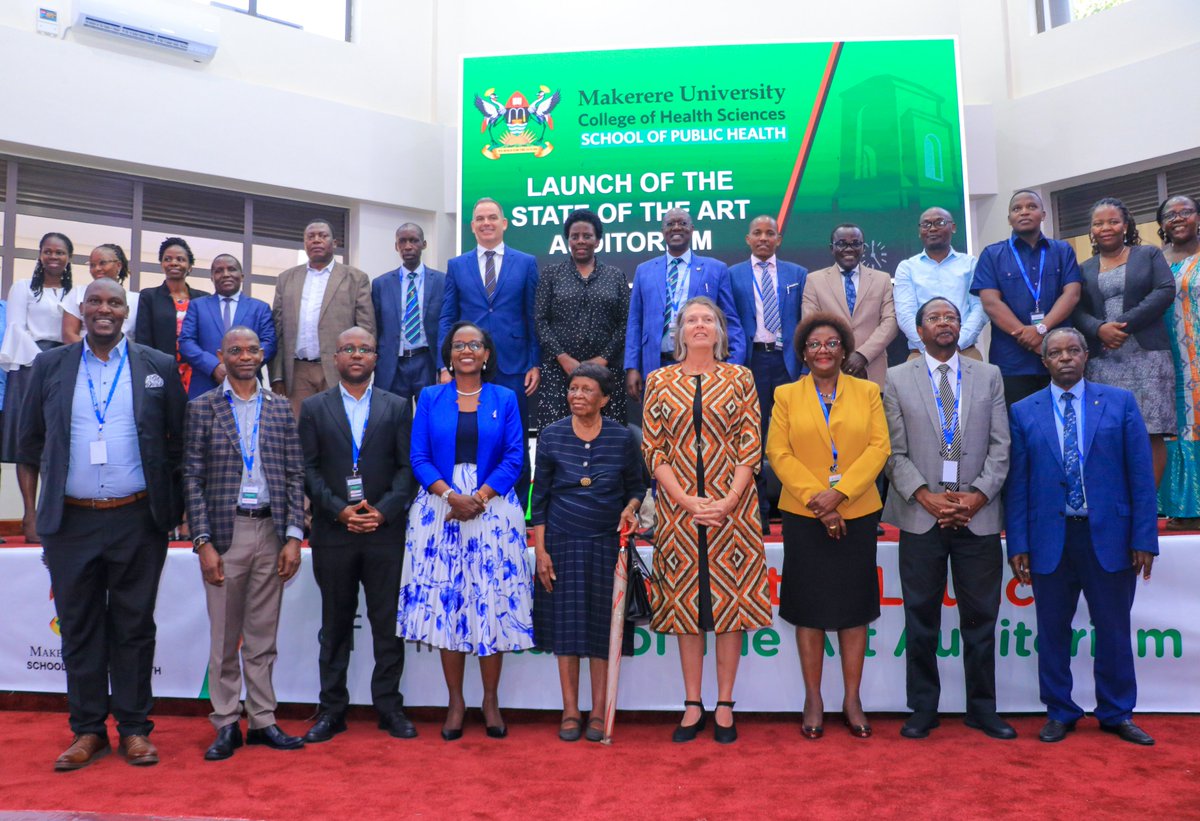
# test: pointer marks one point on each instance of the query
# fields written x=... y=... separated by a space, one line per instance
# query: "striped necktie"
x=770 y=300
x=412 y=311
x=489 y=273
x=672 y=287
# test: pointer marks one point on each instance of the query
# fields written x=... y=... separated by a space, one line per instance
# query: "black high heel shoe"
x=689 y=732
x=857 y=730
x=454 y=734
x=724 y=735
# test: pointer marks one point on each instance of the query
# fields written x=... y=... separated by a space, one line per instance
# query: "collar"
x=851 y=271
x=227 y=390
x=771 y=263
x=419 y=271
x=234 y=298
x=366 y=397
x=320 y=271
x=1076 y=391
x=686 y=256
x=121 y=348
x=933 y=364
x=925 y=256
x=480 y=250
x=1041 y=240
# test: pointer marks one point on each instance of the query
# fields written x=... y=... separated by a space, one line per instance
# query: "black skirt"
x=14 y=396
x=829 y=584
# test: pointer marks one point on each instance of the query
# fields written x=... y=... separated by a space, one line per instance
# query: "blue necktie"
x=489 y=273
x=770 y=300
x=1071 y=454
x=672 y=287
x=851 y=291
x=412 y=311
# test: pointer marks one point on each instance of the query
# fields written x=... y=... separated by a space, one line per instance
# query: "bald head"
x=104 y=311
x=241 y=354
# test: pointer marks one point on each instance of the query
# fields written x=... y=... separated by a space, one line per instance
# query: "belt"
x=768 y=347
x=1077 y=518
x=302 y=359
x=106 y=504
x=411 y=352
x=254 y=512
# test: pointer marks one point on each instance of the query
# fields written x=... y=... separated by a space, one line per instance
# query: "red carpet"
x=771 y=772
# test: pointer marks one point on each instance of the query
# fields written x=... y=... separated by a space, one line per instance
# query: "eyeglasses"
x=238 y=350
x=473 y=345
x=1057 y=354
x=351 y=350
x=842 y=244
x=1181 y=214
x=829 y=345
x=940 y=222
x=938 y=319
x=102 y=262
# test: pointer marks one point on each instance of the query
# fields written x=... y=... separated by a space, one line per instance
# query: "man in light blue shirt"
x=938 y=271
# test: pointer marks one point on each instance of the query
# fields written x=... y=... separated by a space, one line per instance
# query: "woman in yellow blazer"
x=827 y=443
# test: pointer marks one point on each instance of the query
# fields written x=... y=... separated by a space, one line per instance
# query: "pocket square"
x=153 y=380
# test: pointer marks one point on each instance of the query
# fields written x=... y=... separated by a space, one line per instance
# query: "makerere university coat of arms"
x=517 y=126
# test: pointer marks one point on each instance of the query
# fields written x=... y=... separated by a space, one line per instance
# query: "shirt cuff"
x=296 y=533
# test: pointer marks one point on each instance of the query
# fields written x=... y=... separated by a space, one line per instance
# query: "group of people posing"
x=401 y=408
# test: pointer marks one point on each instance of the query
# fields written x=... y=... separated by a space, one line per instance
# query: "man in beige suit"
x=862 y=295
x=314 y=303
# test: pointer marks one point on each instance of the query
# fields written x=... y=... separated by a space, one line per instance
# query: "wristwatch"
x=1041 y=328
x=199 y=542
x=446 y=494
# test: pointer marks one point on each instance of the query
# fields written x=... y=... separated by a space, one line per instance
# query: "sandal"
x=571 y=728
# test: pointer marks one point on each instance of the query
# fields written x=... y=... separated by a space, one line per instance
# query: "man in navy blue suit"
x=408 y=305
x=209 y=317
x=1081 y=514
x=767 y=292
x=660 y=287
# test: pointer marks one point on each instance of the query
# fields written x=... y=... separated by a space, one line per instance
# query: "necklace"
x=468 y=393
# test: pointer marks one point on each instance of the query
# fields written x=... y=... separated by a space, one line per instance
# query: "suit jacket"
x=800 y=450
x=156 y=318
x=383 y=465
x=509 y=316
x=874 y=320
x=790 y=279
x=212 y=466
x=648 y=302
x=1149 y=294
x=204 y=327
x=1118 y=480
x=347 y=303
x=501 y=436
x=916 y=432
x=157 y=409
x=387 y=295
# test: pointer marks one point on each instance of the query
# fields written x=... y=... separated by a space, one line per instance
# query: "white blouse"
x=72 y=304
x=31 y=321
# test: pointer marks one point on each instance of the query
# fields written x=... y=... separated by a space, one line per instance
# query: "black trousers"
x=976 y=563
x=770 y=371
x=339 y=570
x=1017 y=388
x=105 y=567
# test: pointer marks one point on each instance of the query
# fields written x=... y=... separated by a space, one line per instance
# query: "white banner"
x=1166 y=624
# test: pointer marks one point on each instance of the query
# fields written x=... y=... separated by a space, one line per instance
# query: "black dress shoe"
x=1055 y=730
x=1128 y=731
x=274 y=738
x=451 y=735
x=327 y=726
x=919 y=724
x=991 y=725
x=229 y=738
x=689 y=732
x=397 y=725
x=497 y=732
x=724 y=735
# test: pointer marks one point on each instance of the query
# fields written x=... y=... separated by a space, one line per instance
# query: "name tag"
x=249 y=496
x=99 y=452
x=949 y=472
x=834 y=478
x=354 y=489
x=1036 y=318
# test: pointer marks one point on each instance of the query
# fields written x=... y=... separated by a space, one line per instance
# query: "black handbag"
x=637 y=594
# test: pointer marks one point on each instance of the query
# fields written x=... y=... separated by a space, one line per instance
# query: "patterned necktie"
x=412 y=311
x=851 y=291
x=672 y=287
x=226 y=312
x=489 y=273
x=1071 y=453
x=949 y=418
x=770 y=300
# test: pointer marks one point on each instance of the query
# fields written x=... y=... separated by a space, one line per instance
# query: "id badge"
x=248 y=497
x=778 y=342
x=834 y=478
x=949 y=472
x=1035 y=318
x=354 y=489
x=99 y=452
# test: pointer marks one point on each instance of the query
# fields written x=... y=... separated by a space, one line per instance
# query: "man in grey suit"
x=950 y=450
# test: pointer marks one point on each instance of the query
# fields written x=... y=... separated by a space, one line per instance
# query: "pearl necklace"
x=466 y=393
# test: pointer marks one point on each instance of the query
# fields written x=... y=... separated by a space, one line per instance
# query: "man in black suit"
x=355 y=439
x=408 y=302
x=113 y=410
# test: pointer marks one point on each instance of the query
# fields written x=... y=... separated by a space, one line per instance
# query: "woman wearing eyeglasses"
x=467 y=588
x=828 y=441
x=107 y=260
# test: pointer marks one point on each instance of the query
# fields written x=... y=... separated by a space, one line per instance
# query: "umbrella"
x=616 y=631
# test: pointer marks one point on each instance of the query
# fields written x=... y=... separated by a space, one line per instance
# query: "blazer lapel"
x=813 y=403
x=1094 y=400
x=376 y=415
x=1044 y=418
x=223 y=414
x=67 y=376
x=967 y=369
x=137 y=380
x=837 y=284
x=295 y=298
x=398 y=294
x=336 y=277
x=211 y=311
x=697 y=284
x=924 y=388
x=338 y=411
x=239 y=313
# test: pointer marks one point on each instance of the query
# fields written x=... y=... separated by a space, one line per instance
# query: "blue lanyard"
x=1037 y=294
x=947 y=429
x=825 y=409
x=677 y=298
x=757 y=285
x=248 y=461
x=356 y=446
x=100 y=415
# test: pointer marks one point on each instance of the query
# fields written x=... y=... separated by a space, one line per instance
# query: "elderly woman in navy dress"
x=587 y=486
x=466 y=586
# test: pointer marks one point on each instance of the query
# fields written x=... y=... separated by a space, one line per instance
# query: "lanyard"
x=677 y=298
x=825 y=409
x=947 y=427
x=356 y=446
x=248 y=461
x=1037 y=294
x=757 y=285
x=100 y=415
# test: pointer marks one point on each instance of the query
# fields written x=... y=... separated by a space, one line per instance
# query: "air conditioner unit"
x=187 y=29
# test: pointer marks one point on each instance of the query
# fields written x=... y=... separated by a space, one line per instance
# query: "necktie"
x=226 y=312
x=1071 y=454
x=672 y=287
x=770 y=300
x=949 y=420
x=489 y=273
x=851 y=291
x=412 y=310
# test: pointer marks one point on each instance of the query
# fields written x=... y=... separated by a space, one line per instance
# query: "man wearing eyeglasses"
x=859 y=294
x=938 y=271
x=243 y=478
x=355 y=438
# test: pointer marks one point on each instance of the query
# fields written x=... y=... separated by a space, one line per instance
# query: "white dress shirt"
x=496 y=260
x=308 y=343
x=761 y=334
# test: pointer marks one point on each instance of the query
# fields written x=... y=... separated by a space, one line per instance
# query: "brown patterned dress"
x=703 y=431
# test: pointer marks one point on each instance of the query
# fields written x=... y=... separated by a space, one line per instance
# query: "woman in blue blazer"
x=467 y=585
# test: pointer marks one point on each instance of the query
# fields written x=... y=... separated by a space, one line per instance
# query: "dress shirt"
x=921 y=278
x=308 y=344
x=480 y=251
x=122 y=474
x=422 y=341
x=854 y=277
x=933 y=366
x=244 y=412
x=676 y=299
x=234 y=299
x=357 y=411
x=1056 y=396
x=761 y=334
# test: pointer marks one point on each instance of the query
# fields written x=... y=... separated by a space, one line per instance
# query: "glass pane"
x=84 y=235
x=261 y=290
x=152 y=279
x=204 y=248
x=271 y=260
x=236 y=5
x=324 y=17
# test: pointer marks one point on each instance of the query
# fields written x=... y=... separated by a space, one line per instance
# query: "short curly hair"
x=811 y=322
x=489 y=367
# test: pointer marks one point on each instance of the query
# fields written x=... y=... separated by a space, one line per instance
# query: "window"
x=1050 y=14
x=933 y=158
x=328 y=18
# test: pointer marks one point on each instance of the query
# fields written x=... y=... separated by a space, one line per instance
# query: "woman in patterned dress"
x=1179 y=493
x=702 y=444
x=466 y=586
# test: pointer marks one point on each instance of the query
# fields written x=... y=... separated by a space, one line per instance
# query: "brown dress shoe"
x=138 y=750
x=84 y=750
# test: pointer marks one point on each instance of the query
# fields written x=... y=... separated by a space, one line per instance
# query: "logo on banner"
x=517 y=126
